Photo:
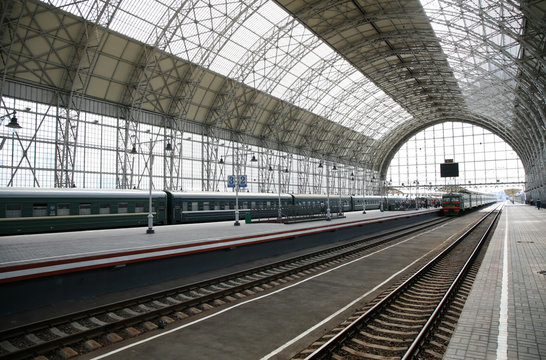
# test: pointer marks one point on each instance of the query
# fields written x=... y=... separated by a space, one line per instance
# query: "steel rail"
x=416 y=345
x=170 y=308
x=332 y=344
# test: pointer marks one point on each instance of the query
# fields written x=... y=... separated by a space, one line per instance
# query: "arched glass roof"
x=290 y=55
x=346 y=81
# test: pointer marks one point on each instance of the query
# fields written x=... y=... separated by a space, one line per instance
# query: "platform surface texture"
x=22 y=249
x=505 y=315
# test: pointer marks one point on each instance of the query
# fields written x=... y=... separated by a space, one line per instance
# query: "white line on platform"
x=327 y=319
x=273 y=293
x=502 y=338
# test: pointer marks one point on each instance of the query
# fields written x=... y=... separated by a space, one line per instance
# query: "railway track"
x=85 y=331
x=417 y=318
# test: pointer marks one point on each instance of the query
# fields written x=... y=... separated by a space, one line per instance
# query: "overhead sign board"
x=231 y=181
x=242 y=180
x=449 y=170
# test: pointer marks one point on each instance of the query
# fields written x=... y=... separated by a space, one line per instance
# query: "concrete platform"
x=30 y=256
x=505 y=314
x=278 y=323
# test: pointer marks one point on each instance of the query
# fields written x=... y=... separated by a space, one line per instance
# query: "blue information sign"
x=242 y=180
x=231 y=181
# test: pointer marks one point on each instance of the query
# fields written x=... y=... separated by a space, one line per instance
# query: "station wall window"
x=63 y=209
x=39 y=210
x=14 y=210
x=104 y=209
x=123 y=208
x=85 y=209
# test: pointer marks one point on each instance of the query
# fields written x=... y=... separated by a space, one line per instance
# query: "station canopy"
x=348 y=80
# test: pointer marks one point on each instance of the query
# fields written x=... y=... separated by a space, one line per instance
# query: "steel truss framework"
x=343 y=82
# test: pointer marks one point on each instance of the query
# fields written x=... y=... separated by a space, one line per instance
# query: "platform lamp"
x=168 y=148
x=13 y=124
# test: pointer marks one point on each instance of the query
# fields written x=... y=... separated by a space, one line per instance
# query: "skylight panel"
x=133 y=27
x=260 y=44
x=481 y=45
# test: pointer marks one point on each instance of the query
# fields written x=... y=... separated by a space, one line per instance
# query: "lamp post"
x=416 y=182
x=363 y=190
x=328 y=213
x=236 y=184
x=279 y=210
x=340 y=211
x=387 y=186
x=134 y=151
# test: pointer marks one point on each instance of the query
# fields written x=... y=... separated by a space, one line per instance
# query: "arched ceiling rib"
x=448 y=60
x=345 y=79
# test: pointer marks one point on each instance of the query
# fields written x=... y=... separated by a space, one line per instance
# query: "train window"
x=104 y=209
x=123 y=208
x=39 y=210
x=245 y=205
x=217 y=205
x=139 y=207
x=194 y=206
x=206 y=205
x=63 y=209
x=269 y=204
x=184 y=206
x=85 y=209
x=253 y=204
x=14 y=210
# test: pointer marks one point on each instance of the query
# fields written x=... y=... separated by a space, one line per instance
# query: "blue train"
x=24 y=211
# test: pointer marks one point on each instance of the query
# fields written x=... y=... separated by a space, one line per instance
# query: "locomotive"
x=24 y=211
x=458 y=203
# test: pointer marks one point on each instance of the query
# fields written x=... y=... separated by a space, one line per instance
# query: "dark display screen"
x=449 y=170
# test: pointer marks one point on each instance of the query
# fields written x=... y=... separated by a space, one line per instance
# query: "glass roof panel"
x=258 y=43
x=482 y=50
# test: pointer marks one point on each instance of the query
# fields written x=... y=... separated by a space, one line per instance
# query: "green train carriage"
x=190 y=207
x=27 y=211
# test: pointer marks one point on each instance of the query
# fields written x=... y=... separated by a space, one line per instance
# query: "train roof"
x=318 y=196
x=226 y=195
x=76 y=193
x=467 y=193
